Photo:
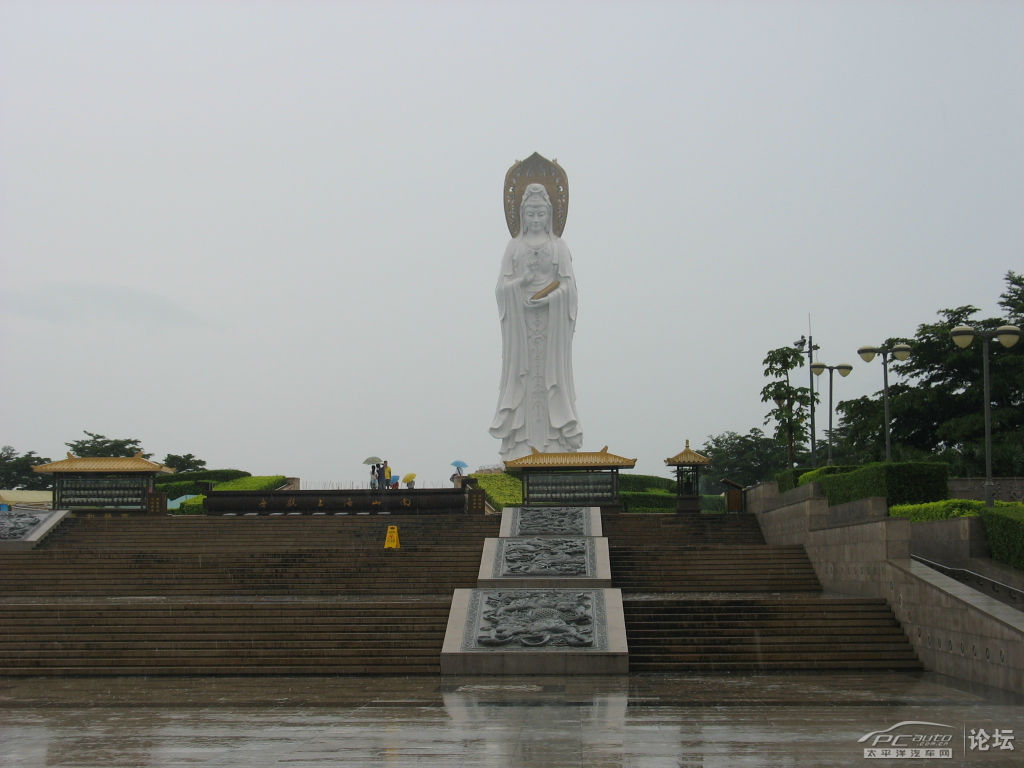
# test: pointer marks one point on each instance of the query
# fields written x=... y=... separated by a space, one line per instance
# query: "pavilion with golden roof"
x=688 y=464
x=583 y=478
x=102 y=482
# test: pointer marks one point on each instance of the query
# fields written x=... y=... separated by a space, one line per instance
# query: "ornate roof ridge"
x=578 y=460
x=102 y=464
x=687 y=456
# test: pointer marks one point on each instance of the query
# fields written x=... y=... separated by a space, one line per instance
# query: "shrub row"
x=206 y=475
x=938 y=510
x=197 y=504
x=1004 y=529
x=250 y=483
x=633 y=501
x=641 y=483
x=902 y=483
x=788 y=478
x=502 y=490
x=816 y=474
x=1003 y=524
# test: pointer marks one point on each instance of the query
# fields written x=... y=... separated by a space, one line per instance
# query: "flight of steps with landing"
x=705 y=593
x=125 y=595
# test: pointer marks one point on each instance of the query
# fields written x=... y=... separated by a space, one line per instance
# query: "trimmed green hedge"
x=1004 y=529
x=250 y=483
x=197 y=504
x=938 y=510
x=903 y=483
x=194 y=506
x=502 y=489
x=642 y=483
x=788 y=478
x=206 y=475
x=634 y=501
x=816 y=474
x=194 y=483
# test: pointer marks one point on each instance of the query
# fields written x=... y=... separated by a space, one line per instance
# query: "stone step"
x=637 y=665
x=184 y=668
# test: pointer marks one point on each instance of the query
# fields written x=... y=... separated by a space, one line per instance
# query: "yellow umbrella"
x=409 y=478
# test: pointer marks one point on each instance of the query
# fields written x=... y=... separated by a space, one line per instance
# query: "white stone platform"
x=544 y=603
x=536 y=632
x=550 y=521
x=37 y=525
x=545 y=561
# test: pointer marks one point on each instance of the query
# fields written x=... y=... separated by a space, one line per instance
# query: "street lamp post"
x=844 y=370
x=1007 y=335
x=900 y=352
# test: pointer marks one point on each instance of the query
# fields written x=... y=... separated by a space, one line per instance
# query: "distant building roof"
x=687 y=457
x=580 y=460
x=102 y=464
x=26 y=497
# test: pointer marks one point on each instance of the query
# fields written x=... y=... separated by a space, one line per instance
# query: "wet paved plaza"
x=479 y=722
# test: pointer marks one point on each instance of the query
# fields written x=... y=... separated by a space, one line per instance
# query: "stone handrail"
x=1012 y=596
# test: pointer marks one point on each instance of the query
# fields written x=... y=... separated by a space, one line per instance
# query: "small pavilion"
x=688 y=464
x=584 y=478
x=102 y=482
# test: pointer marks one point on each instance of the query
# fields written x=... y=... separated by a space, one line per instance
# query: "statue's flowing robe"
x=512 y=423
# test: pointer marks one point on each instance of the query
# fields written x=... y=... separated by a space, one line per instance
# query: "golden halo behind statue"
x=536 y=170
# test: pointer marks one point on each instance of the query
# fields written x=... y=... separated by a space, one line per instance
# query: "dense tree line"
x=16 y=471
x=936 y=404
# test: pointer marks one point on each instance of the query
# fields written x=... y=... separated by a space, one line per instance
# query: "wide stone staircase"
x=108 y=595
x=705 y=593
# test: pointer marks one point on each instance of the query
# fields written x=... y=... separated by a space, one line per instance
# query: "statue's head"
x=535 y=211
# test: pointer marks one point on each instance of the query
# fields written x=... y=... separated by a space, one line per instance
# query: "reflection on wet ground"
x=642 y=720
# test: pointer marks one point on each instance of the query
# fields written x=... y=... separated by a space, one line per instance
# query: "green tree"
x=185 y=463
x=16 y=471
x=792 y=404
x=745 y=459
x=99 y=445
x=938 y=409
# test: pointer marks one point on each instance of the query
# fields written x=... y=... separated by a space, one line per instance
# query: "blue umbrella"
x=459 y=464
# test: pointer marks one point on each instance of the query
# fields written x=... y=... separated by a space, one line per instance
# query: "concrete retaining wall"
x=1006 y=488
x=950 y=542
x=955 y=629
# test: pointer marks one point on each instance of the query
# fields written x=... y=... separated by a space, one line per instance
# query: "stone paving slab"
x=543 y=722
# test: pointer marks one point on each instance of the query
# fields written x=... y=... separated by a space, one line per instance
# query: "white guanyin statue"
x=537 y=304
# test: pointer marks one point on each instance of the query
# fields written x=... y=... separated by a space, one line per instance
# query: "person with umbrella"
x=456 y=477
x=373 y=461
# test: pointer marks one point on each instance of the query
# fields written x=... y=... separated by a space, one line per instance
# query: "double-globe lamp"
x=900 y=352
x=844 y=370
x=1007 y=335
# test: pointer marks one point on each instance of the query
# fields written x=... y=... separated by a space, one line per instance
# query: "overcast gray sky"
x=268 y=233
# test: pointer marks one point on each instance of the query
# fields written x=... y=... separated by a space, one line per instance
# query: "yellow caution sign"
x=391 y=541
